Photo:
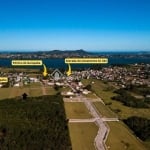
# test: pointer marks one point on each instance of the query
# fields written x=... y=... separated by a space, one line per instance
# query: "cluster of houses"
x=61 y=80
x=120 y=76
x=17 y=79
x=55 y=79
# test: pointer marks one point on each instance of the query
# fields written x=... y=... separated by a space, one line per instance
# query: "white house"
x=34 y=80
x=16 y=85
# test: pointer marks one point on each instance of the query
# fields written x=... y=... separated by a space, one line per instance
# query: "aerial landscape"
x=74 y=75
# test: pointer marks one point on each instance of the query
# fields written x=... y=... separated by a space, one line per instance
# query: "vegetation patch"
x=128 y=100
x=35 y=123
x=140 y=90
x=140 y=126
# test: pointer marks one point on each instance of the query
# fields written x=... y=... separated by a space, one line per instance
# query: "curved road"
x=100 y=122
x=103 y=129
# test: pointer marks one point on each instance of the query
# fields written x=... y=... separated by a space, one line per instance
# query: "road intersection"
x=97 y=118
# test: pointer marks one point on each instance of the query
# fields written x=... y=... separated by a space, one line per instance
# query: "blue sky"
x=75 y=24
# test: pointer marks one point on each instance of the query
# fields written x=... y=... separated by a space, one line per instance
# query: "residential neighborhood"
x=118 y=76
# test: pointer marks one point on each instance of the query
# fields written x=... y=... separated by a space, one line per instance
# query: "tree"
x=24 y=96
x=88 y=87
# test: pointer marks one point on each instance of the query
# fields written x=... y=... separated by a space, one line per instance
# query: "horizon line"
x=46 y=50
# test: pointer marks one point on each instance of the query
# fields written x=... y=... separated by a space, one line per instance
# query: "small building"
x=34 y=80
x=16 y=85
x=70 y=93
x=50 y=83
x=85 y=92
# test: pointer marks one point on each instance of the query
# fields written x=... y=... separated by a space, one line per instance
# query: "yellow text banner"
x=86 y=60
x=3 y=79
x=27 y=63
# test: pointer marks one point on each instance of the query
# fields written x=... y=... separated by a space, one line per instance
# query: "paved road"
x=93 y=120
x=72 y=100
x=82 y=120
x=103 y=129
x=110 y=119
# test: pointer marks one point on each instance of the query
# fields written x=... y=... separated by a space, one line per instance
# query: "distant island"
x=46 y=54
x=71 y=53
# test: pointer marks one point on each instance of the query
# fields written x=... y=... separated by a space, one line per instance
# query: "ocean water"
x=60 y=63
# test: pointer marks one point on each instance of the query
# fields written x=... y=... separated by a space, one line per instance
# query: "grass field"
x=147 y=144
x=100 y=89
x=91 y=96
x=82 y=135
x=4 y=93
x=50 y=91
x=104 y=111
x=120 y=138
x=33 y=90
x=34 y=85
x=16 y=91
x=17 y=69
x=76 y=110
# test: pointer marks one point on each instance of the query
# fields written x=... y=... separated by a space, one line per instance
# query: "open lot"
x=4 y=93
x=103 y=110
x=33 y=90
x=76 y=110
x=18 y=91
x=121 y=138
x=91 y=96
x=82 y=135
x=100 y=89
x=50 y=90
x=34 y=85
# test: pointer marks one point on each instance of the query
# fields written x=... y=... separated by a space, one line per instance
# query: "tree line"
x=140 y=126
x=129 y=100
